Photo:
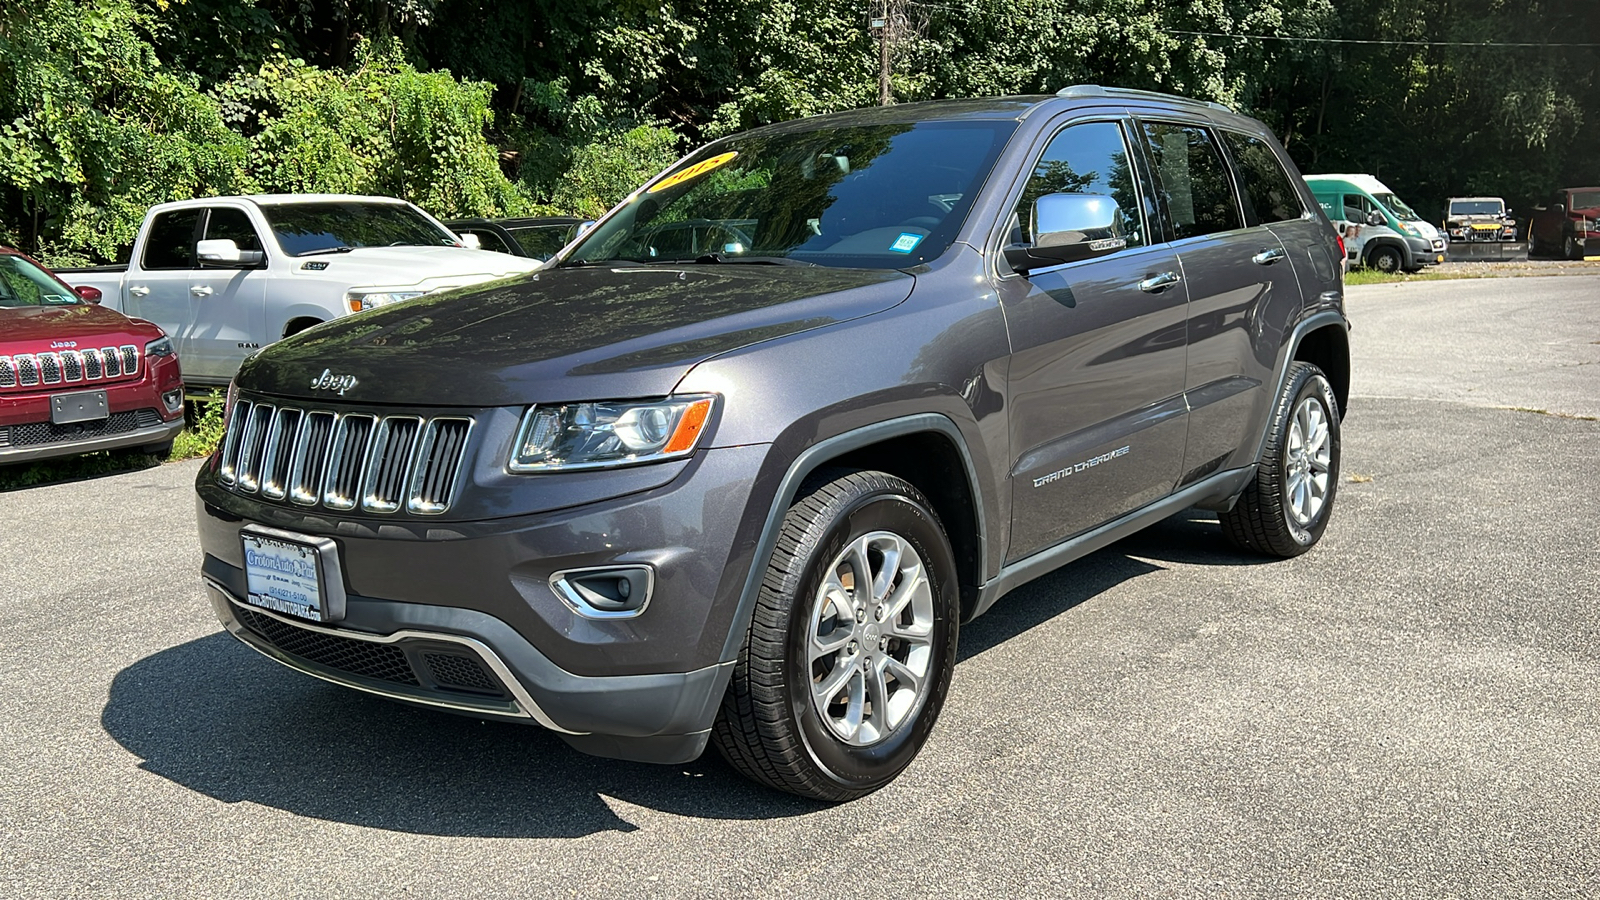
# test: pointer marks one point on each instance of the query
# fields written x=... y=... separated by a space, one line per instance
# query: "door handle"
x=139 y=291
x=1267 y=257
x=1155 y=284
x=201 y=290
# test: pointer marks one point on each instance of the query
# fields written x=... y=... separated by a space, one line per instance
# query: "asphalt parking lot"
x=1408 y=711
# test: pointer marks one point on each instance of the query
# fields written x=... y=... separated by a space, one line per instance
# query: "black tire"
x=1386 y=259
x=770 y=728
x=1535 y=249
x=1264 y=520
x=1570 y=248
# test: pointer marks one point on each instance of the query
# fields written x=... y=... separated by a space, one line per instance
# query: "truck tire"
x=1570 y=248
x=836 y=689
x=1284 y=509
x=1386 y=259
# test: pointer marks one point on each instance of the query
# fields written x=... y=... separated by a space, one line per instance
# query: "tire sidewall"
x=1311 y=384
x=1383 y=253
x=866 y=768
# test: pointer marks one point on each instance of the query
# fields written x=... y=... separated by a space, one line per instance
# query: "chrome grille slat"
x=113 y=365
x=352 y=442
x=71 y=365
x=8 y=372
x=344 y=460
x=310 y=464
x=389 y=467
x=93 y=367
x=49 y=368
x=27 y=371
x=130 y=359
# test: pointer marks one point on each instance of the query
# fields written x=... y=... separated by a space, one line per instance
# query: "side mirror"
x=1068 y=228
x=1510 y=212
x=583 y=228
x=88 y=294
x=224 y=253
x=1376 y=218
x=1559 y=207
x=470 y=241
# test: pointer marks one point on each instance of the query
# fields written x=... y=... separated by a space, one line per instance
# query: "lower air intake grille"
x=35 y=434
x=383 y=662
x=460 y=673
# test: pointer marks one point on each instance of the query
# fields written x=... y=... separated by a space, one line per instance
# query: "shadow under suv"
x=918 y=356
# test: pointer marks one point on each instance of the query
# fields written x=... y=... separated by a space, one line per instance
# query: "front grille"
x=383 y=662
x=343 y=461
x=68 y=366
x=35 y=434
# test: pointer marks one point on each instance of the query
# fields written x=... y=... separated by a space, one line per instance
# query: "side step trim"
x=1222 y=486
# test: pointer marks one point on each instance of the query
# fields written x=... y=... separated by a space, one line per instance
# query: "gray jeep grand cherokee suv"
x=736 y=466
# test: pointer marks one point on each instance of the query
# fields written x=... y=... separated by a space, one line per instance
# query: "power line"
x=1318 y=40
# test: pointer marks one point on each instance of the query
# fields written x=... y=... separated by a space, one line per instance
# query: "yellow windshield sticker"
x=694 y=171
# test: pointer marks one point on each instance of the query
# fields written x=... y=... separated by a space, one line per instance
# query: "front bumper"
x=1425 y=251
x=136 y=415
x=477 y=598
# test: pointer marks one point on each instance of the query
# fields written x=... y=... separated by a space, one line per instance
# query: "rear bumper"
x=469 y=662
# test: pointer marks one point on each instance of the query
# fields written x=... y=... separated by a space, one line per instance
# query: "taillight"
x=1340 y=238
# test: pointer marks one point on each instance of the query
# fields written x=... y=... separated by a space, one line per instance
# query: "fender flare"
x=1314 y=322
x=812 y=458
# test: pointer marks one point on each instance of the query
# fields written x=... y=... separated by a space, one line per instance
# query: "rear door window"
x=1268 y=190
x=1194 y=186
x=170 y=242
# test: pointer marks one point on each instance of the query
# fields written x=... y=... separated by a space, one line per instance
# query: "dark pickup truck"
x=922 y=355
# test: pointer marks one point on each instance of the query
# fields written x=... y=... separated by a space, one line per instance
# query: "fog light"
x=608 y=592
x=173 y=400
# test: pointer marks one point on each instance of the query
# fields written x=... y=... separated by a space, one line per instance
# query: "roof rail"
x=1094 y=90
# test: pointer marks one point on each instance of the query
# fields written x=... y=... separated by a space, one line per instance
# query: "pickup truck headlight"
x=600 y=435
x=159 y=347
x=359 y=300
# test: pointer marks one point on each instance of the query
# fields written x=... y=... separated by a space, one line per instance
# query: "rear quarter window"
x=1269 y=193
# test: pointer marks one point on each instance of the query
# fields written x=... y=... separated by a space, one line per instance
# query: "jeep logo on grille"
x=328 y=381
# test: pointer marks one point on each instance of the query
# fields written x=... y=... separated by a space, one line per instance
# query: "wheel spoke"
x=828 y=688
x=829 y=644
x=903 y=675
x=883 y=579
x=878 y=694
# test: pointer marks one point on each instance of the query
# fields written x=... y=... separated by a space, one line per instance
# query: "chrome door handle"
x=201 y=290
x=1267 y=257
x=139 y=291
x=1155 y=284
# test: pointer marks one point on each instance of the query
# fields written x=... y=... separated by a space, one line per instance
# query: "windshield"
x=542 y=241
x=24 y=284
x=1477 y=208
x=303 y=228
x=1398 y=207
x=870 y=196
x=1586 y=199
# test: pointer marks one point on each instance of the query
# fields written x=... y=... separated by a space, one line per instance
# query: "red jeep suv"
x=75 y=377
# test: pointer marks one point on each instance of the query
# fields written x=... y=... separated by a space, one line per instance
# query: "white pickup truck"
x=225 y=276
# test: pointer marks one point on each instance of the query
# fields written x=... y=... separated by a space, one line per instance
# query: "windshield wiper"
x=339 y=249
x=719 y=259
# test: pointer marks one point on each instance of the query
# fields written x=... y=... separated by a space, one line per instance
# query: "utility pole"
x=882 y=25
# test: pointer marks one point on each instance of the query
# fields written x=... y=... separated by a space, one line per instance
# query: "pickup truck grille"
x=28 y=370
x=344 y=460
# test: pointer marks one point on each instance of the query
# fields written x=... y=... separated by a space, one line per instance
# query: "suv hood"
x=566 y=334
x=35 y=329
x=427 y=268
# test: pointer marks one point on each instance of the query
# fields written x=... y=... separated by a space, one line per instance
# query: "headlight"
x=358 y=301
x=1410 y=229
x=597 y=435
x=161 y=346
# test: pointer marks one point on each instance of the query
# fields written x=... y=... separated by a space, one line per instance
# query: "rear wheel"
x=1284 y=510
x=1570 y=248
x=850 y=651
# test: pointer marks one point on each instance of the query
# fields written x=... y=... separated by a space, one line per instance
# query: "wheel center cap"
x=871 y=633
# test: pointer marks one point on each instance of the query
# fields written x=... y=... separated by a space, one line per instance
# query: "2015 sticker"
x=906 y=242
x=694 y=171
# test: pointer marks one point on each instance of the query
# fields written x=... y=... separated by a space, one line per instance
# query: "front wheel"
x=1570 y=248
x=850 y=651
x=1386 y=259
x=1284 y=510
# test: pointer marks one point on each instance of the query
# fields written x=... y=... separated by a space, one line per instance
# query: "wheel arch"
x=300 y=323
x=1328 y=348
x=1375 y=244
x=926 y=449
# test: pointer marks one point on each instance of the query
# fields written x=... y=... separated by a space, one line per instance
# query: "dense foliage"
x=470 y=107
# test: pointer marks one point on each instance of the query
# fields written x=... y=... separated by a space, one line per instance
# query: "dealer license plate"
x=80 y=406
x=284 y=576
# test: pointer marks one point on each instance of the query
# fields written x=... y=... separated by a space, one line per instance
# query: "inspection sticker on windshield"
x=906 y=242
x=694 y=171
